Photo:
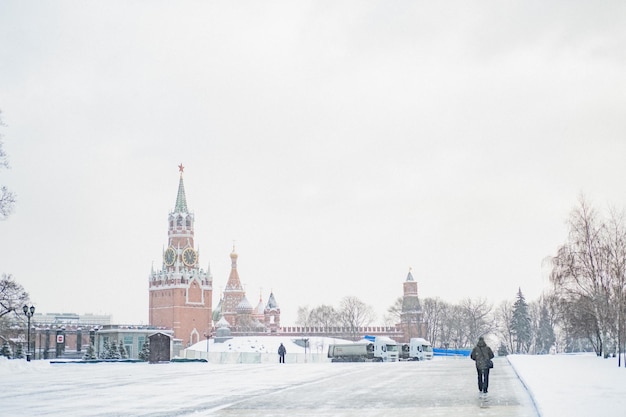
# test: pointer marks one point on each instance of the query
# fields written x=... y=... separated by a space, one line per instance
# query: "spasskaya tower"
x=181 y=292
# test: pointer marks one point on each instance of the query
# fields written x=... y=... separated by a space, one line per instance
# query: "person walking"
x=482 y=355
x=281 y=353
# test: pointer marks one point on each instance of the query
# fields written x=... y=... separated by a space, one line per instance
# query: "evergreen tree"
x=520 y=324
x=19 y=351
x=502 y=350
x=545 y=332
x=6 y=350
x=144 y=355
x=113 y=353
x=90 y=353
x=122 y=350
x=104 y=353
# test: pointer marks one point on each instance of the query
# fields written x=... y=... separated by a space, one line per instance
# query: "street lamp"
x=29 y=313
x=208 y=336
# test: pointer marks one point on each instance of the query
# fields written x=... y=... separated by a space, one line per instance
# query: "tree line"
x=583 y=309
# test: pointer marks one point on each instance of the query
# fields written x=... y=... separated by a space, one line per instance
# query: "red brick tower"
x=411 y=319
x=181 y=292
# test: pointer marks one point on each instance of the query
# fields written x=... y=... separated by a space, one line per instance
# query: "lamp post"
x=29 y=313
x=305 y=340
x=208 y=336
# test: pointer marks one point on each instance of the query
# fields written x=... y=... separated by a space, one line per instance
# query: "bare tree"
x=395 y=311
x=616 y=248
x=434 y=311
x=12 y=296
x=582 y=277
x=7 y=198
x=355 y=313
x=304 y=316
x=324 y=316
x=478 y=319
x=504 y=316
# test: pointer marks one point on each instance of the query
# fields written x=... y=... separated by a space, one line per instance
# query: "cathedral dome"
x=223 y=323
x=244 y=306
x=260 y=308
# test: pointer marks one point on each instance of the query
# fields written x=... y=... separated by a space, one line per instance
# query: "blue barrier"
x=451 y=352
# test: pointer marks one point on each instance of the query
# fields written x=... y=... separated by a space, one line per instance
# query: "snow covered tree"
x=520 y=324
x=122 y=351
x=113 y=353
x=104 y=353
x=6 y=350
x=90 y=353
x=19 y=351
x=144 y=355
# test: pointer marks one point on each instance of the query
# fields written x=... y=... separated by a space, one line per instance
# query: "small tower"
x=180 y=293
x=411 y=321
x=272 y=314
x=233 y=293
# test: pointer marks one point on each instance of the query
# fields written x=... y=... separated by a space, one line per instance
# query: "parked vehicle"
x=418 y=349
x=370 y=349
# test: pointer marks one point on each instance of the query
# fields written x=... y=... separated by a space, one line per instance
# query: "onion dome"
x=259 y=309
x=222 y=323
x=244 y=306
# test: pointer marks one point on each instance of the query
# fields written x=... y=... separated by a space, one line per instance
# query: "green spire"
x=181 y=200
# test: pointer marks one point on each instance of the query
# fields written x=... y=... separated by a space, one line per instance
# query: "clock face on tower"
x=190 y=257
x=170 y=256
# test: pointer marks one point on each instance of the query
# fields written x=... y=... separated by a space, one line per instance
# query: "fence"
x=253 y=357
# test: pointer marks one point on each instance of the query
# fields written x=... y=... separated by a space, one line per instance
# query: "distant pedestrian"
x=482 y=355
x=281 y=353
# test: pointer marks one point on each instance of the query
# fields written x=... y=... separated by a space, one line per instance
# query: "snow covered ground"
x=573 y=385
x=561 y=385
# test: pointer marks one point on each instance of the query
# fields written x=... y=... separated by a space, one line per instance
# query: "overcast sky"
x=337 y=143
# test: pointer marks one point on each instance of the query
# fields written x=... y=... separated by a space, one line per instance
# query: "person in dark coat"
x=281 y=353
x=482 y=355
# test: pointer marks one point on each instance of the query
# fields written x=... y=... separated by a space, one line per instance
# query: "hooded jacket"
x=481 y=354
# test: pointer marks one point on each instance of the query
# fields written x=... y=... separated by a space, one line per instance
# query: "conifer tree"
x=545 y=332
x=6 y=350
x=90 y=353
x=122 y=350
x=113 y=352
x=502 y=350
x=144 y=355
x=104 y=354
x=19 y=351
x=521 y=324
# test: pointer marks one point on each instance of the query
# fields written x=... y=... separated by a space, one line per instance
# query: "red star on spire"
x=181 y=168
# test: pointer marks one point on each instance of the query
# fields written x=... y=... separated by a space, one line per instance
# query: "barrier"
x=253 y=357
x=451 y=352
